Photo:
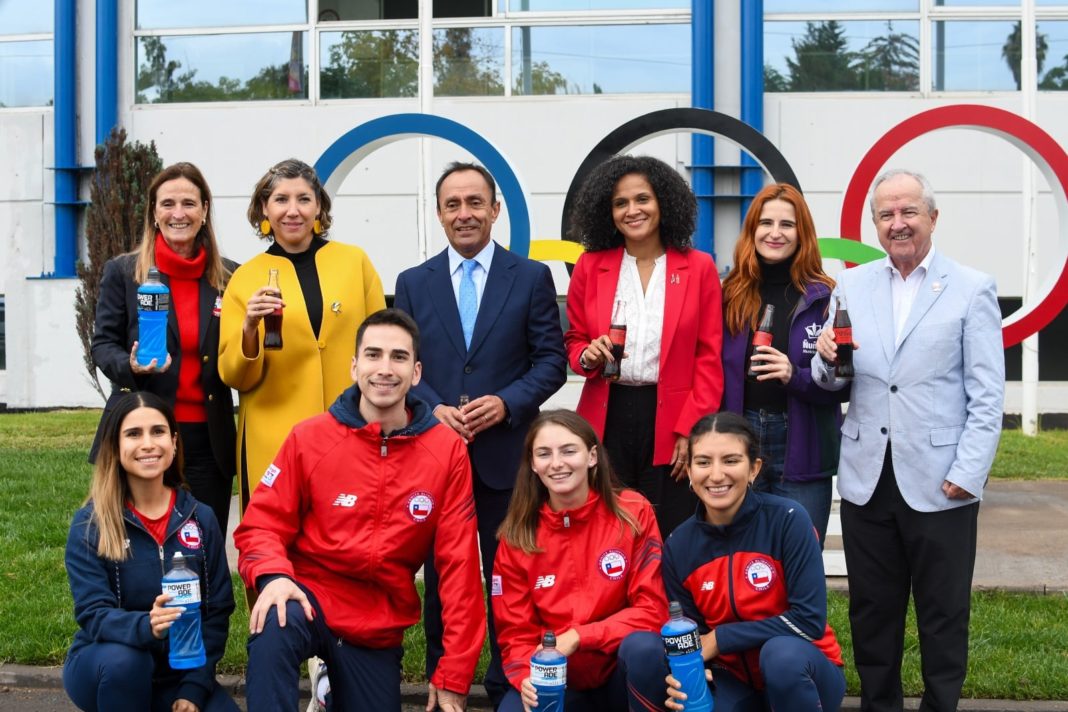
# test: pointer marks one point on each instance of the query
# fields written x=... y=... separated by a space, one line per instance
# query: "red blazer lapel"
x=608 y=265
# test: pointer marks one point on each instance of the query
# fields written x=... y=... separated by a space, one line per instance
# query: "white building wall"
x=976 y=177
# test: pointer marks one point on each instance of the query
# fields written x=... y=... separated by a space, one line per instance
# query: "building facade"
x=236 y=86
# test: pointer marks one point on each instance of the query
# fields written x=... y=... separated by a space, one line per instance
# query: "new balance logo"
x=708 y=586
x=545 y=581
x=345 y=500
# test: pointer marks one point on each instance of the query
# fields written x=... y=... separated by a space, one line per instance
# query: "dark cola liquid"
x=843 y=363
x=272 y=330
x=618 y=335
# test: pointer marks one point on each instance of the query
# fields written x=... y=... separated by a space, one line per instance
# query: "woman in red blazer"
x=634 y=216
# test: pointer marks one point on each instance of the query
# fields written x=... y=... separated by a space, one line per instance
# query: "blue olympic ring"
x=346 y=152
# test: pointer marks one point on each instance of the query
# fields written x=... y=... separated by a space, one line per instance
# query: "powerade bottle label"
x=182 y=593
x=153 y=301
x=683 y=644
x=548 y=675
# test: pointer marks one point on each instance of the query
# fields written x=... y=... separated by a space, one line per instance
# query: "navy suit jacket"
x=517 y=350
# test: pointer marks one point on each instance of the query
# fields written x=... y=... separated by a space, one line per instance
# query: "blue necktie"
x=468 y=301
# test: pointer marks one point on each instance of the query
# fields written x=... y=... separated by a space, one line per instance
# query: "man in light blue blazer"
x=490 y=330
x=918 y=441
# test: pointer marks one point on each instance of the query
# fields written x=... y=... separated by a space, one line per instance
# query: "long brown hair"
x=741 y=288
x=110 y=488
x=214 y=268
x=520 y=526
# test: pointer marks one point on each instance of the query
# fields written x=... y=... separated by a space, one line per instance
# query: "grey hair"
x=927 y=191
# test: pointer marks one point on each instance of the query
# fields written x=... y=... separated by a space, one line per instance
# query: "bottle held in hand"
x=761 y=337
x=682 y=643
x=548 y=675
x=617 y=334
x=153 y=303
x=186 y=640
x=272 y=323
x=843 y=339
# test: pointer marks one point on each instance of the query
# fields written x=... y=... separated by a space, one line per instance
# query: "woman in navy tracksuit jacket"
x=748 y=569
x=777 y=262
x=138 y=516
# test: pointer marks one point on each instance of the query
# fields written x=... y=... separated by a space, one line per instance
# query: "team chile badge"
x=420 y=505
x=612 y=564
x=189 y=535
x=759 y=574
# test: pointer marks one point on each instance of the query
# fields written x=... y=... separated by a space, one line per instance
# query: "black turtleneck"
x=777 y=290
x=308 y=276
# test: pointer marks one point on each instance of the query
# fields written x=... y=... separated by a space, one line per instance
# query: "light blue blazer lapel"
x=927 y=296
x=882 y=309
x=439 y=284
x=494 y=295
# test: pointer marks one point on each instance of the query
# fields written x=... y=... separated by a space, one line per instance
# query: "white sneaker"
x=320 y=685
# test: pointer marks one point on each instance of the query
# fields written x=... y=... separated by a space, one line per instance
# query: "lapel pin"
x=336 y=307
x=936 y=287
x=675 y=278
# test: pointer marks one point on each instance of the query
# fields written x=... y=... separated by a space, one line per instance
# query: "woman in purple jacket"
x=777 y=262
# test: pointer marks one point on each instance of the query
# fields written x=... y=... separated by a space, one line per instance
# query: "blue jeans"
x=813 y=495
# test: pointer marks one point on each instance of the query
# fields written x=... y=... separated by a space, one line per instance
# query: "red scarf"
x=185 y=274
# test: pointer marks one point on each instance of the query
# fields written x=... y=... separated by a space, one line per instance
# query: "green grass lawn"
x=1017 y=640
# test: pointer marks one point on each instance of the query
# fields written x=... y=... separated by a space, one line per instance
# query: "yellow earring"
x=265 y=227
x=317 y=227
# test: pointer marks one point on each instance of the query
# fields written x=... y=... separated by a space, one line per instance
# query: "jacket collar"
x=568 y=518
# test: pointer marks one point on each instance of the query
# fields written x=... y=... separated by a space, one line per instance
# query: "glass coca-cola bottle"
x=617 y=334
x=843 y=339
x=761 y=337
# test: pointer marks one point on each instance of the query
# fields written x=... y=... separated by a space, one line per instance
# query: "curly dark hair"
x=591 y=217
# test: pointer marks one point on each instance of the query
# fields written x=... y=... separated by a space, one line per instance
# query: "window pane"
x=974 y=56
x=461 y=8
x=772 y=6
x=344 y=10
x=977 y=3
x=611 y=59
x=222 y=67
x=26 y=73
x=842 y=56
x=552 y=5
x=469 y=61
x=165 y=14
x=359 y=65
x=1052 y=51
x=23 y=18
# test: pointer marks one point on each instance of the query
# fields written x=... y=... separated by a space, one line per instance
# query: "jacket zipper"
x=734 y=609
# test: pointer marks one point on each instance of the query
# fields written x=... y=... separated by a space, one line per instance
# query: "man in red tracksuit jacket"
x=333 y=536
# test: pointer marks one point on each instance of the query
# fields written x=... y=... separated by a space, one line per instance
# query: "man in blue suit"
x=491 y=336
x=917 y=443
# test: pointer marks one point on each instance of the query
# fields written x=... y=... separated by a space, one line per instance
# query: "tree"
x=372 y=64
x=889 y=63
x=544 y=80
x=464 y=65
x=113 y=222
x=774 y=80
x=822 y=61
x=1012 y=52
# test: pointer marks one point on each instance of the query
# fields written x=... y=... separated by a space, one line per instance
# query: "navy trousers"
x=637 y=683
x=797 y=676
x=360 y=678
x=112 y=676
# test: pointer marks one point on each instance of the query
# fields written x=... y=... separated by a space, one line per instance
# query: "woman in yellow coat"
x=327 y=288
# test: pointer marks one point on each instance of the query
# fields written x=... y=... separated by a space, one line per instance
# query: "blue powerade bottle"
x=153 y=303
x=682 y=643
x=548 y=675
x=187 y=643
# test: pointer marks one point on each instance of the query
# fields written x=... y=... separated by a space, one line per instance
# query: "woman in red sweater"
x=179 y=240
x=580 y=557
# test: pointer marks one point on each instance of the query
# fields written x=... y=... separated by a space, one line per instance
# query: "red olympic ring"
x=1039 y=146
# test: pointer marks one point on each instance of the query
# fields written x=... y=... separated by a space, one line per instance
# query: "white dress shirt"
x=645 y=320
x=903 y=291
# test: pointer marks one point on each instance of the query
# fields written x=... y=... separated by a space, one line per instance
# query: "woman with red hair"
x=777 y=262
